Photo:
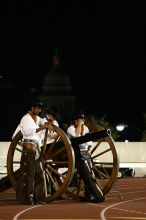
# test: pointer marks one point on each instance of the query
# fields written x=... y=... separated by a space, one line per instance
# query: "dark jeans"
x=31 y=181
x=90 y=184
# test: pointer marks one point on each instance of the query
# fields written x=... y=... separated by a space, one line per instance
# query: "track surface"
x=127 y=200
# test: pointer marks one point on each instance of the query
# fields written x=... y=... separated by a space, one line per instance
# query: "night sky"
x=101 y=47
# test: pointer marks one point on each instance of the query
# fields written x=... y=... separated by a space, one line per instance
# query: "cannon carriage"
x=58 y=161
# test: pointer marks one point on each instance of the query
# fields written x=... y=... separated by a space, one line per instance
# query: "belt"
x=29 y=141
x=83 y=150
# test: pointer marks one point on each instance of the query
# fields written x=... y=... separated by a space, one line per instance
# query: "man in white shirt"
x=30 y=186
x=50 y=118
x=83 y=159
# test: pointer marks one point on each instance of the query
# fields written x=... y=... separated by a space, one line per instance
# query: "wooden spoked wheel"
x=105 y=166
x=58 y=163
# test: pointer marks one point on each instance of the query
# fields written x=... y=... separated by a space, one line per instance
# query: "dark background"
x=101 y=46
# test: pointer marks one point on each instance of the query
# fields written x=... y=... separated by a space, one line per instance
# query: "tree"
x=105 y=124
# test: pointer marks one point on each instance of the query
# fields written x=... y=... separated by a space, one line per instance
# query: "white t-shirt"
x=42 y=133
x=28 y=128
x=71 y=134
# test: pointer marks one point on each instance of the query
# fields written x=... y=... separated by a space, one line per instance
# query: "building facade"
x=57 y=90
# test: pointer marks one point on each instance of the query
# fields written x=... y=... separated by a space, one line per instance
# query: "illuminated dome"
x=57 y=89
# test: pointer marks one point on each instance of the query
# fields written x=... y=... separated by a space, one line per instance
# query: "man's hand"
x=47 y=125
x=80 y=122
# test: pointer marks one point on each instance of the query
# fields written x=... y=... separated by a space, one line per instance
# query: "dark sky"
x=101 y=46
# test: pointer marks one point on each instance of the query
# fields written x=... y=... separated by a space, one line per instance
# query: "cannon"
x=59 y=163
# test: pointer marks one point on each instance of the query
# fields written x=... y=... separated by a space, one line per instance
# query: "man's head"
x=78 y=115
x=36 y=106
x=51 y=115
x=36 y=103
x=78 y=118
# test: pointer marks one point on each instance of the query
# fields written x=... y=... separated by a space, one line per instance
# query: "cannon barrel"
x=85 y=138
x=90 y=137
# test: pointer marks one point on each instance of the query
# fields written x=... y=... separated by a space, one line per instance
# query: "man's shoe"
x=82 y=199
x=92 y=199
x=101 y=199
x=40 y=203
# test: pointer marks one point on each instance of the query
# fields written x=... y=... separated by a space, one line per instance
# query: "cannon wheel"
x=105 y=166
x=58 y=164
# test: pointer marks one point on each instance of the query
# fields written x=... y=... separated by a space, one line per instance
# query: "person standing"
x=83 y=159
x=30 y=185
x=50 y=117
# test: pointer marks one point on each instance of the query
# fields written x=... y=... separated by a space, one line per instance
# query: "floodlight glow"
x=120 y=127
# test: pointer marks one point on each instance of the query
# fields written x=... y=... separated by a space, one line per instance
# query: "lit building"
x=57 y=90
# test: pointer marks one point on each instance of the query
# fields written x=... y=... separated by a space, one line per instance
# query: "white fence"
x=4 y=146
x=130 y=154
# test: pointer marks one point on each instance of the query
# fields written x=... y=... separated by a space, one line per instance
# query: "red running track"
x=127 y=200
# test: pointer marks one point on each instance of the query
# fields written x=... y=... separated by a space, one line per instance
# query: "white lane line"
x=25 y=210
x=136 y=218
x=126 y=210
x=102 y=214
